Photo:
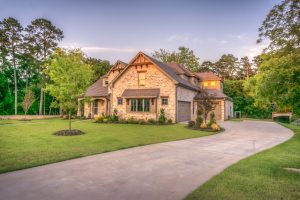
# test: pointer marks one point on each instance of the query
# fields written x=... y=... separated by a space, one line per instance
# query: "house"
x=142 y=87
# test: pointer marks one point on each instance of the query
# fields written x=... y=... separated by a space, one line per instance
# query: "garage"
x=184 y=111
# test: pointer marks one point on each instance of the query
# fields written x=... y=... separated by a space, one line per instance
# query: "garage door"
x=218 y=111
x=184 y=111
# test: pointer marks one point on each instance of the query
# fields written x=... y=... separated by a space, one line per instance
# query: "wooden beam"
x=141 y=63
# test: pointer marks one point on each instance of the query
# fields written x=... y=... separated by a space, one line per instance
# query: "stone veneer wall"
x=155 y=78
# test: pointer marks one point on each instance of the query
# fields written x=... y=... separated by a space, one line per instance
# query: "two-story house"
x=142 y=87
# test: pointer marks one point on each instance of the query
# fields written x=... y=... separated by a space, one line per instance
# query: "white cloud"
x=254 y=50
x=179 y=38
x=241 y=37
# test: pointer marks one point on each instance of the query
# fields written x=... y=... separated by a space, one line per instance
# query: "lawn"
x=261 y=176
x=31 y=143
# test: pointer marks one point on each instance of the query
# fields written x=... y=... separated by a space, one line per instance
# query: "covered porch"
x=92 y=107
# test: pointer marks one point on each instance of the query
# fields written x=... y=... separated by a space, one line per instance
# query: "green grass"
x=261 y=176
x=31 y=143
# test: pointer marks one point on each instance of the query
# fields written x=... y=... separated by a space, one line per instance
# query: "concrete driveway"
x=161 y=171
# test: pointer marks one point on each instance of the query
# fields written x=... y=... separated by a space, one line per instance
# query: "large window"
x=95 y=106
x=140 y=105
x=142 y=78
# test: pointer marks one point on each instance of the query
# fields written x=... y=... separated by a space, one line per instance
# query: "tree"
x=99 y=67
x=208 y=66
x=11 y=41
x=69 y=77
x=227 y=66
x=205 y=103
x=28 y=100
x=184 y=56
x=42 y=39
x=282 y=26
x=246 y=68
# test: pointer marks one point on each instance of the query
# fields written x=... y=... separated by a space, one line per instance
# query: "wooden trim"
x=141 y=63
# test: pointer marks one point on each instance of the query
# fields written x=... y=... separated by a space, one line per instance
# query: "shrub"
x=132 y=120
x=212 y=119
x=115 y=117
x=141 y=121
x=191 y=124
x=199 y=118
x=162 y=116
x=203 y=125
x=151 y=121
x=215 y=127
x=99 y=119
x=105 y=120
x=170 y=121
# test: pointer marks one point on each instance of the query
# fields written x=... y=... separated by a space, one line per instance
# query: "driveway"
x=161 y=171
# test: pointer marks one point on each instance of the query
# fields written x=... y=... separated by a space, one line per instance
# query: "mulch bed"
x=205 y=129
x=68 y=132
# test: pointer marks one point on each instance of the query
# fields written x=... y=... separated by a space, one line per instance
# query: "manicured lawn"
x=28 y=144
x=261 y=176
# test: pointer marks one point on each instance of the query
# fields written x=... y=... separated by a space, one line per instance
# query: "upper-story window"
x=106 y=82
x=213 y=83
x=205 y=84
x=142 y=78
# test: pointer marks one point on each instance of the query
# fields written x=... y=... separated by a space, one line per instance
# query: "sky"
x=115 y=29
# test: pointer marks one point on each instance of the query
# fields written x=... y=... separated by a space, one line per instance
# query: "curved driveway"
x=161 y=171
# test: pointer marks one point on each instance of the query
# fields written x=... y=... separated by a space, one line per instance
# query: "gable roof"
x=115 y=67
x=216 y=94
x=97 y=89
x=172 y=72
x=208 y=76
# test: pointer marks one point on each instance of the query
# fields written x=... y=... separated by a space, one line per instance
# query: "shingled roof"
x=172 y=72
x=216 y=94
x=97 y=89
x=207 y=76
x=141 y=93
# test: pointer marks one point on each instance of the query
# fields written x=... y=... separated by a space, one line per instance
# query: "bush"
x=191 y=124
x=199 y=118
x=203 y=125
x=212 y=119
x=132 y=120
x=99 y=119
x=151 y=121
x=162 y=116
x=115 y=117
x=215 y=127
x=170 y=121
x=141 y=121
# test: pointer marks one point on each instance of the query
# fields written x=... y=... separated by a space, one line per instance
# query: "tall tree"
x=183 y=56
x=11 y=40
x=208 y=66
x=227 y=66
x=69 y=77
x=99 y=67
x=246 y=68
x=282 y=26
x=42 y=39
x=27 y=100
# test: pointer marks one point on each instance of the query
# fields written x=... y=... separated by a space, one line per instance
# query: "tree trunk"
x=16 y=90
x=69 y=120
x=41 y=102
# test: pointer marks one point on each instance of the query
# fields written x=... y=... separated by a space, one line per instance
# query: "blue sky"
x=111 y=29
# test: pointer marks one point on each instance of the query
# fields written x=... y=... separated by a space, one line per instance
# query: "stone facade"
x=155 y=78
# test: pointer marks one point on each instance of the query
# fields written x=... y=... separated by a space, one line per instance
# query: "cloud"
x=240 y=37
x=179 y=38
x=188 y=38
x=254 y=50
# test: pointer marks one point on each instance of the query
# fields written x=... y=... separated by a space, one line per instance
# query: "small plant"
x=162 y=116
x=141 y=121
x=212 y=119
x=115 y=117
x=99 y=119
x=170 y=121
x=191 y=124
x=151 y=121
x=199 y=118
x=105 y=120
x=203 y=125
x=215 y=127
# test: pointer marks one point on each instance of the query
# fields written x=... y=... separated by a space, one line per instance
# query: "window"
x=120 y=101
x=106 y=82
x=146 y=105
x=95 y=106
x=213 y=83
x=205 y=84
x=133 y=105
x=140 y=105
x=142 y=78
x=164 y=101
